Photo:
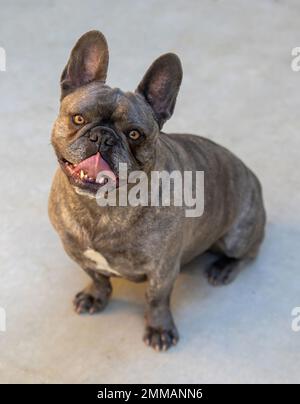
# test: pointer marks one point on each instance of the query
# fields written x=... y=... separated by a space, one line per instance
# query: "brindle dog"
x=97 y=128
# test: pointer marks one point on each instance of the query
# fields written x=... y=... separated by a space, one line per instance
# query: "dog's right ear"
x=88 y=62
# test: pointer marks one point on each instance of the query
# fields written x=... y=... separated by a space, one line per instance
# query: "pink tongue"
x=93 y=165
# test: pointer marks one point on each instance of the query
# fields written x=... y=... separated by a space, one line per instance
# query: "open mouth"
x=93 y=172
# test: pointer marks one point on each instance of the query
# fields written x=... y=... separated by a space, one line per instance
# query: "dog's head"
x=99 y=127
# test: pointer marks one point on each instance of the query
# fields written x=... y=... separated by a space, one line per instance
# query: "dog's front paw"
x=88 y=301
x=161 y=339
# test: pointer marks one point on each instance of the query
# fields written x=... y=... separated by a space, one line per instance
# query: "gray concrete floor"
x=240 y=91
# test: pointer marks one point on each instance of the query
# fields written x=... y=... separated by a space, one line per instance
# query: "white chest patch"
x=100 y=261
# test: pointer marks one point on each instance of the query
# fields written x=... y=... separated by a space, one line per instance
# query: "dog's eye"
x=134 y=134
x=78 y=119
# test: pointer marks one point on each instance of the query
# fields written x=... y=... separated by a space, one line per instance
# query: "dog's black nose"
x=103 y=136
x=109 y=141
x=93 y=136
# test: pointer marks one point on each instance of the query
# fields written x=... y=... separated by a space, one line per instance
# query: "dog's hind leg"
x=238 y=246
x=228 y=264
x=224 y=270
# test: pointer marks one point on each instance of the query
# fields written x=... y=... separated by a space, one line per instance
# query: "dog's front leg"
x=95 y=296
x=161 y=332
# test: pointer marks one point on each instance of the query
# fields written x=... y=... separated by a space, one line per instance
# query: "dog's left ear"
x=88 y=62
x=160 y=86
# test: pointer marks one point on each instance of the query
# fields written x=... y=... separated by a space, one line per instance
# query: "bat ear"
x=88 y=62
x=161 y=84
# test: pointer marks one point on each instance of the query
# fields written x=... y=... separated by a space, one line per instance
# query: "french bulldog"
x=99 y=127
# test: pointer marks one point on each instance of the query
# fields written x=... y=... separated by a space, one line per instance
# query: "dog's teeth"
x=81 y=174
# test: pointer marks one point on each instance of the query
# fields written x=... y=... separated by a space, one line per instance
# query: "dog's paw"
x=85 y=302
x=161 y=339
x=223 y=271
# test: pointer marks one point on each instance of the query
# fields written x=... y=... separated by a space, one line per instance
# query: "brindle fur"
x=147 y=243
